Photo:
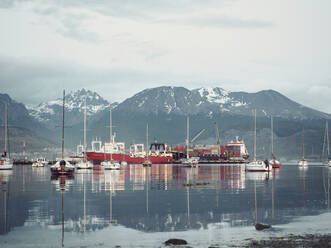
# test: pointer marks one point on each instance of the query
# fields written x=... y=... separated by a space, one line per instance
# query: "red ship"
x=159 y=154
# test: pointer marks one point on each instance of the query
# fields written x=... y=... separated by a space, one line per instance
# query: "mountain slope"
x=213 y=101
x=50 y=113
x=22 y=127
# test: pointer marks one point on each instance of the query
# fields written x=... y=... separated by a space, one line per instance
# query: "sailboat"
x=257 y=165
x=5 y=162
x=147 y=162
x=303 y=162
x=273 y=162
x=62 y=167
x=110 y=164
x=326 y=145
x=84 y=163
x=189 y=161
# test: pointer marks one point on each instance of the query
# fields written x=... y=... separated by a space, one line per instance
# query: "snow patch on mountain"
x=74 y=102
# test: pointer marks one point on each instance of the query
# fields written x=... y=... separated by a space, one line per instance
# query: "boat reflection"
x=4 y=181
x=62 y=184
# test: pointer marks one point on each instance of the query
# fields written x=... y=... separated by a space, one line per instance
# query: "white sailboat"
x=84 y=163
x=147 y=162
x=5 y=162
x=303 y=162
x=62 y=166
x=40 y=162
x=189 y=161
x=110 y=164
x=273 y=162
x=326 y=145
x=256 y=165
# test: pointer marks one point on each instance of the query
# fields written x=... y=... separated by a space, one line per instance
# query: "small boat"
x=257 y=165
x=62 y=166
x=273 y=162
x=147 y=162
x=303 y=162
x=84 y=163
x=5 y=162
x=111 y=165
x=190 y=162
x=40 y=162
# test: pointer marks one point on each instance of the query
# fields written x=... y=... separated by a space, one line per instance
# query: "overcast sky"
x=118 y=48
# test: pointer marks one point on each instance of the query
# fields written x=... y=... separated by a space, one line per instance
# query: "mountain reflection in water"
x=160 y=198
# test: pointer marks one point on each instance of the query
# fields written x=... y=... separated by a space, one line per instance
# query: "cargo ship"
x=234 y=152
x=158 y=153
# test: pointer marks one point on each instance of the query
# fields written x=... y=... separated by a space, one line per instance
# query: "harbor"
x=146 y=206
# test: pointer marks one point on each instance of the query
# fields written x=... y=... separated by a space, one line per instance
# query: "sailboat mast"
x=6 y=129
x=110 y=126
x=187 y=137
x=272 y=135
x=303 y=143
x=63 y=123
x=147 y=148
x=85 y=128
x=327 y=139
x=254 y=134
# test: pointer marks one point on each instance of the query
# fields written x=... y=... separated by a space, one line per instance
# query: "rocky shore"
x=291 y=241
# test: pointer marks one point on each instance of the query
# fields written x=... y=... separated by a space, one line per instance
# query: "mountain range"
x=165 y=109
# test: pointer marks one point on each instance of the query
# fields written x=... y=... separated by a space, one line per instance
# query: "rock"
x=175 y=242
x=259 y=226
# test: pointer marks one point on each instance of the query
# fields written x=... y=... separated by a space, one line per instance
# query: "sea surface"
x=212 y=205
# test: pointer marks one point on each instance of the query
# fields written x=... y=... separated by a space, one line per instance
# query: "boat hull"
x=275 y=163
x=6 y=164
x=303 y=163
x=257 y=166
x=98 y=157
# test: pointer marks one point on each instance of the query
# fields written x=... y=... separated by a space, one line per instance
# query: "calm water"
x=143 y=207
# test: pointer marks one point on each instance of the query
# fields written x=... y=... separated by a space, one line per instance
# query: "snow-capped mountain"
x=211 y=101
x=49 y=112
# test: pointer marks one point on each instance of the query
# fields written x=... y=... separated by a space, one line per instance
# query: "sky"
x=118 y=48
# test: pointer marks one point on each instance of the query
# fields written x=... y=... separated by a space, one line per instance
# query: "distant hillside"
x=22 y=127
x=165 y=110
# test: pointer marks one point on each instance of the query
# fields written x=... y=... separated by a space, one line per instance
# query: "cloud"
x=220 y=22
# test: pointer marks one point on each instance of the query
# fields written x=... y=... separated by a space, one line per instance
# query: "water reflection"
x=4 y=178
x=159 y=198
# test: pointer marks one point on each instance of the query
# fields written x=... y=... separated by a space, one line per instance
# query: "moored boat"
x=62 y=166
x=257 y=165
x=5 y=162
x=273 y=162
x=303 y=162
x=40 y=162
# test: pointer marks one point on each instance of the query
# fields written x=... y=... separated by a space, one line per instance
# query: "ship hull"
x=98 y=157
